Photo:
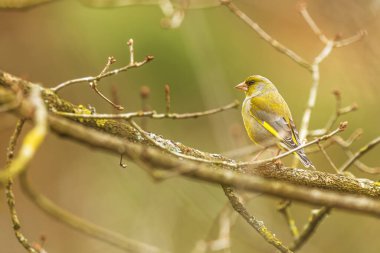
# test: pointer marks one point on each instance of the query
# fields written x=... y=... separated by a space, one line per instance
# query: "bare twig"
x=322 y=37
x=359 y=154
x=327 y=157
x=150 y=114
x=264 y=35
x=259 y=226
x=314 y=27
x=284 y=209
x=167 y=98
x=316 y=217
x=101 y=76
x=224 y=221
x=339 y=111
x=341 y=128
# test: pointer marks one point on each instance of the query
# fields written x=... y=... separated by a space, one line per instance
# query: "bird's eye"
x=250 y=82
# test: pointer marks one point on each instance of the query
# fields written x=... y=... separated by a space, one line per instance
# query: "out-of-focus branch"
x=258 y=225
x=32 y=140
x=283 y=208
x=90 y=229
x=359 y=154
x=339 y=111
x=316 y=217
x=264 y=35
x=9 y=191
x=22 y=3
x=224 y=221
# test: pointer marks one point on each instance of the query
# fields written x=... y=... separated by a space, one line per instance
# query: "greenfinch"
x=267 y=118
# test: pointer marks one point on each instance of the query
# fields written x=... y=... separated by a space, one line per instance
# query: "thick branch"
x=140 y=151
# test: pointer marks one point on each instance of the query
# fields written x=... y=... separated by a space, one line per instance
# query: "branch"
x=83 y=226
x=90 y=79
x=316 y=217
x=360 y=153
x=259 y=226
x=32 y=140
x=148 y=114
x=141 y=151
x=264 y=35
x=9 y=191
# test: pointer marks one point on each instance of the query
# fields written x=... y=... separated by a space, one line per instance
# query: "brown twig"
x=339 y=111
x=264 y=35
x=167 y=98
x=316 y=217
x=359 y=154
x=151 y=114
x=224 y=221
x=328 y=158
x=93 y=80
x=283 y=208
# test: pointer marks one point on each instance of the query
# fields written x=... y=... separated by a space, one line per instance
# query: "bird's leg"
x=259 y=154
x=278 y=161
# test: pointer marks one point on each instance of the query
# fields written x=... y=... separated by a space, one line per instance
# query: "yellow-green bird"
x=267 y=117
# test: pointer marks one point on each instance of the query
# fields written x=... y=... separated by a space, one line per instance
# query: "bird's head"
x=255 y=84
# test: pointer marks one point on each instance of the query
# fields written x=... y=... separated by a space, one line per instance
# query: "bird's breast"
x=256 y=132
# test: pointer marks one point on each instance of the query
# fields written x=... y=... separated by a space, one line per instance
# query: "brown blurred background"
x=202 y=60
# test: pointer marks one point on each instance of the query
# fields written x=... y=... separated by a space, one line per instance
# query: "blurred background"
x=202 y=60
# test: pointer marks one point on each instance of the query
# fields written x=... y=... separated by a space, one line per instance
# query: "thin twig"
x=314 y=27
x=322 y=37
x=339 y=111
x=328 y=158
x=264 y=35
x=99 y=77
x=259 y=226
x=341 y=128
x=284 y=209
x=224 y=221
x=94 y=85
x=359 y=154
x=167 y=98
x=150 y=114
x=316 y=217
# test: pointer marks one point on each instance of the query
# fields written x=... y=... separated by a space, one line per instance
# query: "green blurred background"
x=202 y=60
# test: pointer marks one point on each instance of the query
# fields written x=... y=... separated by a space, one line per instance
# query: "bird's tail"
x=304 y=160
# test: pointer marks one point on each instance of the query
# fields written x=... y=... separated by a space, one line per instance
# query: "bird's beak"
x=242 y=86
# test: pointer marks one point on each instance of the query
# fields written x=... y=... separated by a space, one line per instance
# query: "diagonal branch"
x=258 y=225
x=83 y=226
x=264 y=35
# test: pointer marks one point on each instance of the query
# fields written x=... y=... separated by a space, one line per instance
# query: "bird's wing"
x=275 y=117
x=277 y=120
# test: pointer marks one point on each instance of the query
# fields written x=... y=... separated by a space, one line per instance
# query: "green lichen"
x=100 y=122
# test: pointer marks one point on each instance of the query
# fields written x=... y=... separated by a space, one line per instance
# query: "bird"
x=267 y=117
